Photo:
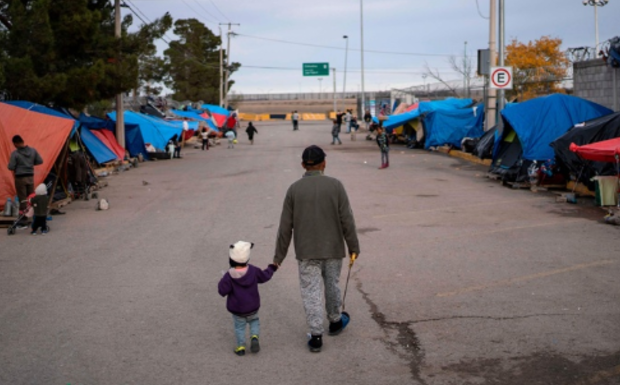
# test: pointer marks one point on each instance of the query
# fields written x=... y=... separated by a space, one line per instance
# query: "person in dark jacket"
x=316 y=213
x=39 y=203
x=22 y=163
x=367 y=119
x=384 y=146
x=251 y=130
x=240 y=285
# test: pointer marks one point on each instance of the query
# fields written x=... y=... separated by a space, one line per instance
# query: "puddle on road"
x=366 y=230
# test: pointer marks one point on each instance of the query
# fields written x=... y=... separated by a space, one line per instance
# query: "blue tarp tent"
x=451 y=126
x=216 y=109
x=424 y=108
x=195 y=114
x=141 y=129
x=540 y=121
x=97 y=149
x=95 y=123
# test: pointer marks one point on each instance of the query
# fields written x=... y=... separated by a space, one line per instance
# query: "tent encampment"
x=590 y=132
x=605 y=151
x=141 y=129
x=196 y=115
x=536 y=123
x=44 y=132
x=423 y=108
x=450 y=126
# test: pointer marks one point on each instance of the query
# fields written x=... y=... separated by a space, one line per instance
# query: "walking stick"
x=346 y=286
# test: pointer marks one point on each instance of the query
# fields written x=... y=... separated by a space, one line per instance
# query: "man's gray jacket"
x=23 y=160
x=318 y=214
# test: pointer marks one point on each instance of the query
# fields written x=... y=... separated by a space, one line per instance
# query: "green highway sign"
x=316 y=69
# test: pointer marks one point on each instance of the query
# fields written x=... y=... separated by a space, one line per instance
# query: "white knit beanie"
x=240 y=252
x=41 y=189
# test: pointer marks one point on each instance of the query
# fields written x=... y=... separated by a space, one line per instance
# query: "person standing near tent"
x=295 y=118
x=367 y=119
x=204 y=134
x=317 y=213
x=21 y=163
x=251 y=130
x=339 y=116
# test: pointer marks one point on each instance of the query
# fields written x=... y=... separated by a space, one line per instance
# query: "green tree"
x=193 y=62
x=64 y=53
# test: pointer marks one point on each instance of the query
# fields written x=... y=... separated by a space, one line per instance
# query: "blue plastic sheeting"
x=43 y=110
x=97 y=149
x=195 y=114
x=424 y=108
x=95 y=123
x=451 y=126
x=540 y=121
x=216 y=109
x=152 y=130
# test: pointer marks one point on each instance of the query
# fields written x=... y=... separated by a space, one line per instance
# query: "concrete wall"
x=594 y=80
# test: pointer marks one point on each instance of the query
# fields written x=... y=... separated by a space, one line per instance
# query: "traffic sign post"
x=316 y=69
x=501 y=78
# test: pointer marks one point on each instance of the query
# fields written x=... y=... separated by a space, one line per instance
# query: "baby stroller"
x=28 y=213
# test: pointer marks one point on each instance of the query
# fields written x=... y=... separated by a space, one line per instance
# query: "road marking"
x=453 y=208
x=511 y=281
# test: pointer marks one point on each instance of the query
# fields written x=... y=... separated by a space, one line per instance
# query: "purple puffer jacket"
x=242 y=290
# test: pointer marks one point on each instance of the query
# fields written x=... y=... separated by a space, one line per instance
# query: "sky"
x=421 y=32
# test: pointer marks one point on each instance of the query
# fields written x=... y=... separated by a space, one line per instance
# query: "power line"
x=218 y=9
x=204 y=9
x=196 y=12
x=342 y=49
x=479 y=12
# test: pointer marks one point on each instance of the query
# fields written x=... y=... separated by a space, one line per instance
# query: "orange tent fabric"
x=45 y=133
x=107 y=138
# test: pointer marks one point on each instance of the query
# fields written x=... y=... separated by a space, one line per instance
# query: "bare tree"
x=464 y=68
x=435 y=74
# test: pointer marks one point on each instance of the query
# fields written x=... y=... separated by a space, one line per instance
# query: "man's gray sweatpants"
x=314 y=274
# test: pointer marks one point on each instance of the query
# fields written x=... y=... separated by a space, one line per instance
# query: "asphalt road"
x=460 y=280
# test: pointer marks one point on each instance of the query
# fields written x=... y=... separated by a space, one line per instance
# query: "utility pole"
x=491 y=116
x=362 y=35
x=335 y=103
x=227 y=63
x=501 y=93
x=465 y=71
x=120 y=117
x=221 y=69
x=344 y=84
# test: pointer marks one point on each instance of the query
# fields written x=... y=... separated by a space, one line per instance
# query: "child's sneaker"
x=43 y=232
x=315 y=343
x=240 y=351
x=254 y=345
x=336 y=328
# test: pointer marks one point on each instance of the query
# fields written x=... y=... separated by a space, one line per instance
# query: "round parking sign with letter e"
x=501 y=78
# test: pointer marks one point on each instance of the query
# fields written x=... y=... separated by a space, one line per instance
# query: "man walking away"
x=339 y=116
x=317 y=208
x=295 y=118
x=347 y=119
x=22 y=163
x=336 y=133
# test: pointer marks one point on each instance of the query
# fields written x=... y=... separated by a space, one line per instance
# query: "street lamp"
x=320 y=87
x=344 y=85
x=362 y=40
x=596 y=4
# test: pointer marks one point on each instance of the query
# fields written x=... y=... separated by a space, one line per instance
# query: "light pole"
x=320 y=87
x=596 y=4
x=120 y=117
x=335 y=103
x=344 y=84
x=501 y=94
x=424 y=79
x=362 y=40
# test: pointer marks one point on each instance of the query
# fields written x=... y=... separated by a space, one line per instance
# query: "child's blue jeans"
x=240 y=323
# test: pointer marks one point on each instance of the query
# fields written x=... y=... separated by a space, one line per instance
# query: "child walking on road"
x=240 y=284
x=204 y=134
x=336 y=133
x=230 y=135
x=384 y=146
x=251 y=130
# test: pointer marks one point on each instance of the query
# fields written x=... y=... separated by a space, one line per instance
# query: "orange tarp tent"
x=107 y=138
x=45 y=133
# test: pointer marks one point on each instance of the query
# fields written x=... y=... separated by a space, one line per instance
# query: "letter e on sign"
x=501 y=78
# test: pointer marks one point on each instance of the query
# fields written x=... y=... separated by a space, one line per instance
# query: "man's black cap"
x=313 y=155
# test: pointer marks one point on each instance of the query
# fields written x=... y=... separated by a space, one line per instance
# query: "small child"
x=384 y=146
x=251 y=130
x=39 y=203
x=240 y=284
x=204 y=134
x=230 y=135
